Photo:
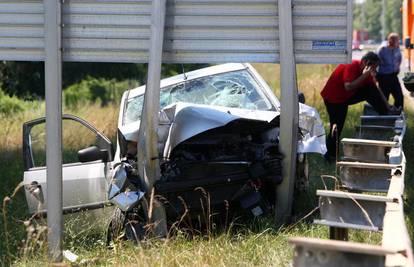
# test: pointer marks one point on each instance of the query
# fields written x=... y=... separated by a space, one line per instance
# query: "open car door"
x=87 y=155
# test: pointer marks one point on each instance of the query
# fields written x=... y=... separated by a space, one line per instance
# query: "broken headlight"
x=119 y=180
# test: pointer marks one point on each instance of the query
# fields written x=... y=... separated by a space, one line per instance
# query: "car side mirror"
x=301 y=98
x=92 y=153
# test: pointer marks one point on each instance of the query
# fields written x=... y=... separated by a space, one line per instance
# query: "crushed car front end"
x=218 y=142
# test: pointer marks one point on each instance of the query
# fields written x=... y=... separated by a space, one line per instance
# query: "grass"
x=259 y=243
x=11 y=166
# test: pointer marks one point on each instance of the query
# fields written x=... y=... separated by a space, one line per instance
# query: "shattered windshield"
x=236 y=89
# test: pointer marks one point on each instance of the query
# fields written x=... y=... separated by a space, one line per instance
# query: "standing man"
x=389 y=67
x=350 y=84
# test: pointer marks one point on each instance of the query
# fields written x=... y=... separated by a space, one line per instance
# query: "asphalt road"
x=358 y=54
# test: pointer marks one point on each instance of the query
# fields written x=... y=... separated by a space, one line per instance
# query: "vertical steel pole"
x=349 y=30
x=383 y=20
x=53 y=81
x=289 y=111
x=148 y=139
x=148 y=162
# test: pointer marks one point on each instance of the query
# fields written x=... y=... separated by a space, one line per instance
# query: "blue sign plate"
x=328 y=45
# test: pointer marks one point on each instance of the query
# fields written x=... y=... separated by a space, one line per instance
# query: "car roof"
x=228 y=67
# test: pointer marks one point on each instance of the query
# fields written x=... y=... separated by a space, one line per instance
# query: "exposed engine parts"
x=222 y=149
x=236 y=165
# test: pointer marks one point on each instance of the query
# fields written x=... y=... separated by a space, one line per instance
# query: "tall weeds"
x=257 y=244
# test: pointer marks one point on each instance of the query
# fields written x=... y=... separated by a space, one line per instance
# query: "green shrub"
x=10 y=104
x=76 y=94
x=95 y=90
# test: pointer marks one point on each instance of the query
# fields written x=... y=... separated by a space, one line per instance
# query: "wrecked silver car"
x=218 y=150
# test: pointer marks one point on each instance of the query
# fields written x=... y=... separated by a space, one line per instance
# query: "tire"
x=302 y=173
x=115 y=227
x=128 y=225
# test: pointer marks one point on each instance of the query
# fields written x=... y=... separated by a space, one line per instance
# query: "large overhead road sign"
x=196 y=31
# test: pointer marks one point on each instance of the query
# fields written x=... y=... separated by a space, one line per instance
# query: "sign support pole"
x=349 y=30
x=148 y=162
x=147 y=147
x=289 y=116
x=53 y=81
x=383 y=20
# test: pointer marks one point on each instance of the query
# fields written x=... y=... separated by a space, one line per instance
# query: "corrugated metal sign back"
x=197 y=31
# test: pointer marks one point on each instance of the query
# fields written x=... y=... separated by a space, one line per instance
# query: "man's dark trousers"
x=337 y=114
x=390 y=84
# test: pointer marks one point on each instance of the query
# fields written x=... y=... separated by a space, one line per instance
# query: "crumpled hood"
x=188 y=120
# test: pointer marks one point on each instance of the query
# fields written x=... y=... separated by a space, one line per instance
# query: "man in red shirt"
x=350 y=84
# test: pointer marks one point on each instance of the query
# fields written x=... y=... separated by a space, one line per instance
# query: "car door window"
x=37 y=143
x=75 y=136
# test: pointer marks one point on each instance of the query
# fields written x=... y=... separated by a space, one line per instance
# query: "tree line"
x=367 y=15
x=26 y=79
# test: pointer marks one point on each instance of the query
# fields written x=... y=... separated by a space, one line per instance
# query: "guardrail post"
x=53 y=82
x=336 y=233
x=289 y=116
x=343 y=210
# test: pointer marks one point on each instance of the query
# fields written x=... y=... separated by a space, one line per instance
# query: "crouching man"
x=350 y=84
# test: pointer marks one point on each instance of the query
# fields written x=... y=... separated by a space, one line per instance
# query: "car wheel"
x=302 y=173
x=116 y=226
x=128 y=225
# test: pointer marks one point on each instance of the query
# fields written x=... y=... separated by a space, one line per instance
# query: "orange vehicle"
x=408 y=39
x=408 y=33
x=359 y=37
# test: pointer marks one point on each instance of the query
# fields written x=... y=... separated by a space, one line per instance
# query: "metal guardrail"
x=195 y=31
x=371 y=177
